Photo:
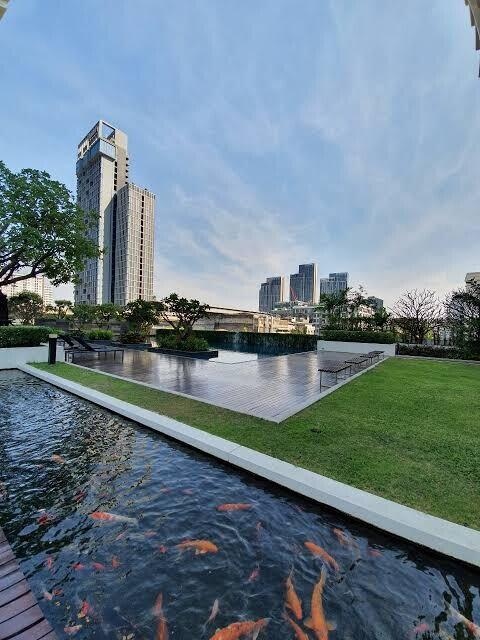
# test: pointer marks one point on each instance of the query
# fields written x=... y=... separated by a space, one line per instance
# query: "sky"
x=273 y=132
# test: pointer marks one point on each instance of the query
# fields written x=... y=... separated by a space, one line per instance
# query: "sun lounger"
x=79 y=345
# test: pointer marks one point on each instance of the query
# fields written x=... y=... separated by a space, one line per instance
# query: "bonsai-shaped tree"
x=62 y=307
x=140 y=316
x=107 y=312
x=26 y=306
x=181 y=314
x=42 y=230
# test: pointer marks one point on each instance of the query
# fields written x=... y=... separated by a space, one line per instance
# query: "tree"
x=463 y=316
x=415 y=313
x=26 y=306
x=42 y=230
x=381 y=318
x=335 y=304
x=105 y=313
x=62 y=307
x=83 y=314
x=181 y=314
x=141 y=315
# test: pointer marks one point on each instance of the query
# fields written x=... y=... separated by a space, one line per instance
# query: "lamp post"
x=52 y=348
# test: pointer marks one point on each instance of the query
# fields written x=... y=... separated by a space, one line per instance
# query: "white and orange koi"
x=71 y=631
x=112 y=517
x=471 y=627
x=58 y=459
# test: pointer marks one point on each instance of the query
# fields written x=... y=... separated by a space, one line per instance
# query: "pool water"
x=101 y=578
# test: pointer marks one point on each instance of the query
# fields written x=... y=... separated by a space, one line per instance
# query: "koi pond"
x=125 y=534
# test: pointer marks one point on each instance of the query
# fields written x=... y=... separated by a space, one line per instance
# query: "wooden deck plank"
x=19 y=589
x=20 y=616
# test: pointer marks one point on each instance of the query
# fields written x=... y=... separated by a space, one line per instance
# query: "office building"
x=125 y=226
x=39 y=285
x=271 y=292
x=472 y=278
x=335 y=283
x=304 y=284
x=375 y=303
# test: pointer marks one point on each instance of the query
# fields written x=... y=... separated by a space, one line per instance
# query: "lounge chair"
x=83 y=346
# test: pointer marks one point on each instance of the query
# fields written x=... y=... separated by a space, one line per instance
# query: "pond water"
x=63 y=459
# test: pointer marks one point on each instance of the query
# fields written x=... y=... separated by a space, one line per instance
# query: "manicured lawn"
x=409 y=430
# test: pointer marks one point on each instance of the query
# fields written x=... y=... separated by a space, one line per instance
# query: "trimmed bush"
x=381 y=337
x=429 y=351
x=99 y=334
x=192 y=343
x=132 y=337
x=250 y=341
x=23 y=336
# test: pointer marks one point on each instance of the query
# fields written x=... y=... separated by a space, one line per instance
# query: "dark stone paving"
x=271 y=388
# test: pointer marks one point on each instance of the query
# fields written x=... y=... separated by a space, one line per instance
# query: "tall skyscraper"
x=271 y=292
x=335 y=283
x=125 y=221
x=304 y=284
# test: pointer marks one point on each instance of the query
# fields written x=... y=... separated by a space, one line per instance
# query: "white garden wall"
x=14 y=356
x=355 y=347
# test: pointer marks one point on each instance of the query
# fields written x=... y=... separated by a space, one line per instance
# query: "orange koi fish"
x=200 y=546
x=47 y=596
x=98 y=566
x=292 y=601
x=58 y=459
x=80 y=495
x=317 y=621
x=49 y=562
x=420 y=628
x=162 y=548
x=473 y=628
x=112 y=517
x=115 y=562
x=78 y=566
x=85 y=610
x=71 y=631
x=57 y=592
x=299 y=633
x=239 y=629
x=318 y=551
x=162 y=629
x=254 y=575
x=45 y=518
x=374 y=553
x=150 y=533
x=239 y=506
x=342 y=537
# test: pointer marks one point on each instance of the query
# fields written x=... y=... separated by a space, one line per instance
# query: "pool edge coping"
x=437 y=534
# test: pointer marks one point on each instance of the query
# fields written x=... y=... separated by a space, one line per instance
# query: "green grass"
x=408 y=430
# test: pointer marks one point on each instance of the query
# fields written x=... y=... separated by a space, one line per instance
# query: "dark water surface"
x=385 y=588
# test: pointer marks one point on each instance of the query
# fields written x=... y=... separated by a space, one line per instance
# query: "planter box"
x=203 y=355
x=13 y=356
x=355 y=347
x=143 y=346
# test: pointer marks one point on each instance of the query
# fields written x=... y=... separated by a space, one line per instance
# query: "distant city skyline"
x=268 y=150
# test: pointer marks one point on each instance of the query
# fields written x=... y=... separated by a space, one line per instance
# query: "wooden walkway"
x=20 y=616
x=271 y=388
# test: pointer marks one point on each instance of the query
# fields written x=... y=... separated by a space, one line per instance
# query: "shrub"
x=192 y=343
x=100 y=334
x=24 y=336
x=250 y=341
x=132 y=337
x=428 y=351
x=382 y=337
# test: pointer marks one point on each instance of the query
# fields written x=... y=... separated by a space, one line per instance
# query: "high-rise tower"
x=125 y=221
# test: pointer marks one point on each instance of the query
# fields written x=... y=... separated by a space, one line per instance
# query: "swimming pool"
x=63 y=459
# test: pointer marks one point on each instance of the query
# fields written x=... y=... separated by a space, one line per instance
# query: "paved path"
x=20 y=616
x=272 y=388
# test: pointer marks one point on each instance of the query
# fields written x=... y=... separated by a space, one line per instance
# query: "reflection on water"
x=175 y=559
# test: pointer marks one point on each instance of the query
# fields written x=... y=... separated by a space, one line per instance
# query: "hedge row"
x=249 y=341
x=22 y=336
x=338 y=335
x=428 y=351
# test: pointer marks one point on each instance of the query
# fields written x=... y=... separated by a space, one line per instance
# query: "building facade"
x=304 y=284
x=271 y=292
x=375 y=303
x=39 y=285
x=125 y=224
x=335 y=283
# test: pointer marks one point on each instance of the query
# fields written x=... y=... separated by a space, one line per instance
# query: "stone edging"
x=428 y=531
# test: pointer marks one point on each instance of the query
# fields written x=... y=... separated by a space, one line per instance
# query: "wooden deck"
x=20 y=616
x=272 y=388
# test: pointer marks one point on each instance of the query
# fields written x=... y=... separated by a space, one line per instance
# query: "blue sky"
x=273 y=132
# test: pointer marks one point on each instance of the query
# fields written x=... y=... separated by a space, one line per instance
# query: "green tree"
x=463 y=316
x=42 y=230
x=181 y=314
x=62 y=307
x=141 y=315
x=83 y=314
x=26 y=306
x=381 y=318
x=335 y=304
x=105 y=313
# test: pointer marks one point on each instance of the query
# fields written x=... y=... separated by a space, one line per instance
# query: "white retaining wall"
x=355 y=347
x=14 y=356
